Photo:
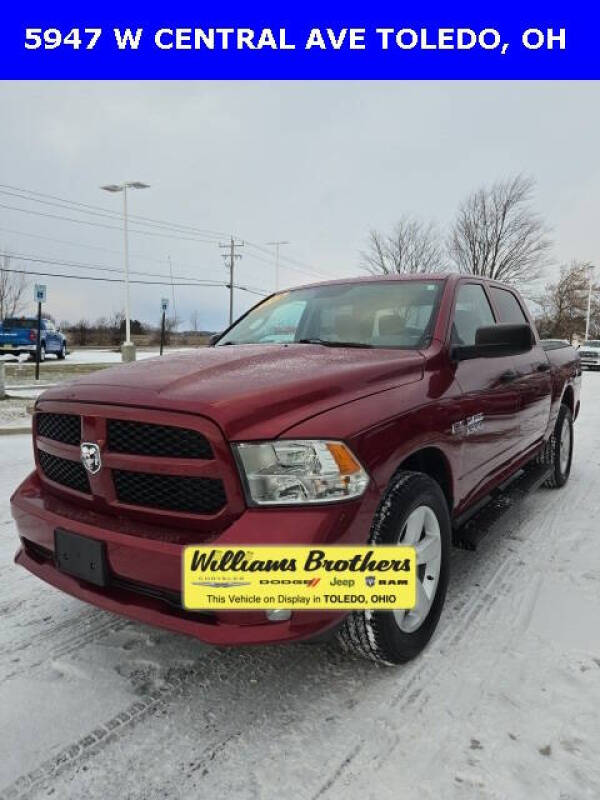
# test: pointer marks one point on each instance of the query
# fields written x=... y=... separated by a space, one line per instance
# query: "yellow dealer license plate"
x=309 y=578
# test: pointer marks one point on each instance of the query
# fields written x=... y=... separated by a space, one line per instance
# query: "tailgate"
x=15 y=337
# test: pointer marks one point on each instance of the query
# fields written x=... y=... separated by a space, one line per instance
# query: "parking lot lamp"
x=128 y=348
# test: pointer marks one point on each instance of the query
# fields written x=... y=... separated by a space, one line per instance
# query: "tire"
x=558 y=450
x=33 y=356
x=391 y=637
x=62 y=353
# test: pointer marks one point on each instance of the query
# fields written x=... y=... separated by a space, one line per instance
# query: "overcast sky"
x=317 y=164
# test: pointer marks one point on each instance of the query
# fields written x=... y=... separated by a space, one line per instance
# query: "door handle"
x=508 y=376
x=543 y=367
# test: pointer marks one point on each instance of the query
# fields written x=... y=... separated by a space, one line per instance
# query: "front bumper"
x=145 y=561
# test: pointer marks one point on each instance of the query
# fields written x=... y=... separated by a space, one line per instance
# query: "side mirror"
x=495 y=341
x=214 y=339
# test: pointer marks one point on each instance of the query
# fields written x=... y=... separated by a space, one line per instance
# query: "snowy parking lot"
x=95 y=355
x=504 y=703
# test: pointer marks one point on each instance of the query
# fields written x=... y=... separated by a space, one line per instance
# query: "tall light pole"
x=589 y=307
x=128 y=348
x=277 y=245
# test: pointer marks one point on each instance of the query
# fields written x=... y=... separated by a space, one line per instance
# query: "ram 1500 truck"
x=376 y=410
x=18 y=335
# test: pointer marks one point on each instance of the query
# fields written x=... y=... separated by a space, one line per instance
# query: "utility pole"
x=589 y=303
x=277 y=245
x=173 y=292
x=231 y=255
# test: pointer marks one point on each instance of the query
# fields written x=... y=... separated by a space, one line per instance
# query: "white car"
x=589 y=353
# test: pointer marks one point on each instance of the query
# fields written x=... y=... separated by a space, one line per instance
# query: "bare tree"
x=12 y=290
x=497 y=234
x=564 y=305
x=413 y=246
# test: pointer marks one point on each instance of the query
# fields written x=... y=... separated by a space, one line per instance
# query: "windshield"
x=377 y=314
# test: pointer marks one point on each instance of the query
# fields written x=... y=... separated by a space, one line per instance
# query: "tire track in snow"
x=467 y=609
x=510 y=574
x=109 y=732
x=72 y=634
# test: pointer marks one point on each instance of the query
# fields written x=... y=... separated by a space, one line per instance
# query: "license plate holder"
x=81 y=557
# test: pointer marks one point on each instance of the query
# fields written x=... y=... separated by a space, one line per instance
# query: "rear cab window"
x=508 y=307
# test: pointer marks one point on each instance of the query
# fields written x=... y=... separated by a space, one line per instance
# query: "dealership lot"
x=503 y=703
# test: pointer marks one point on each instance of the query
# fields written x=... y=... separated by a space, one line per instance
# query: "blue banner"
x=310 y=40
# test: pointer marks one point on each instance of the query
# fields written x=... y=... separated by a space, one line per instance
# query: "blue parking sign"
x=40 y=293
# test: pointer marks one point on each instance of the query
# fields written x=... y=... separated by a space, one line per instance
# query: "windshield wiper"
x=329 y=343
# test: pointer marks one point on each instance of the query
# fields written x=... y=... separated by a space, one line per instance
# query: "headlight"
x=298 y=472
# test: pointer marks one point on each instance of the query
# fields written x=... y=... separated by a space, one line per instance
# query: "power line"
x=87 y=246
x=161 y=225
x=98 y=268
x=88 y=208
x=102 y=225
x=212 y=284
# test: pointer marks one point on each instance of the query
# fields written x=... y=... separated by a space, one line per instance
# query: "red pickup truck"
x=376 y=410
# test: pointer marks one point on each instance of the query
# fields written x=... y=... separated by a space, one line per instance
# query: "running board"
x=470 y=528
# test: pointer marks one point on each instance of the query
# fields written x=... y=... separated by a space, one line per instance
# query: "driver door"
x=487 y=423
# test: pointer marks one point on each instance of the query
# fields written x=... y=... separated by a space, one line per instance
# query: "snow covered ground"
x=505 y=702
x=97 y=356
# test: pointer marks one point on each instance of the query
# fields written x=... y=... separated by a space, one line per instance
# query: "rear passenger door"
x=487 y=422
x=533 y=380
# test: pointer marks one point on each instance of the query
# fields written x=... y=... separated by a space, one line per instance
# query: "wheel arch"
x=434 y=463
x=568 y=398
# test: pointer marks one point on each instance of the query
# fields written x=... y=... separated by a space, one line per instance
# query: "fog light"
x=278 y=615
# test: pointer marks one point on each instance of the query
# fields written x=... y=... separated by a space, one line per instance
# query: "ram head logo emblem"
x=90 y=457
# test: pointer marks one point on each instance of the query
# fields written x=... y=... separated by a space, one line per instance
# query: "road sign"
x=39 y=293
x=164 y=304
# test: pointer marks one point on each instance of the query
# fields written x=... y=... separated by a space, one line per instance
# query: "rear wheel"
x=412 y=512
x=558 y=450
x=33 y=356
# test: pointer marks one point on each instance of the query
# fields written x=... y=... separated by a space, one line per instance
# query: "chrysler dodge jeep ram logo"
x=90 y=457
x=222 y=584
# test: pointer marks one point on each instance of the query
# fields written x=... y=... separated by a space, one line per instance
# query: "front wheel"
x=62 y=353
x=412 y=512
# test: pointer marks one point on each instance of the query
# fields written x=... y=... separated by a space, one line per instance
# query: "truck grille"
x=171 y=492
x=64 y=471
x=148 y=439
x=60 y=427
x=159 y=467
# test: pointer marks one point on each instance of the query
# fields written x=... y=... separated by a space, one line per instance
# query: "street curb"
x=15 y=430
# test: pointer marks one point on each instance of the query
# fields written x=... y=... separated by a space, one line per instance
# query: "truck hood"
x=250 y=391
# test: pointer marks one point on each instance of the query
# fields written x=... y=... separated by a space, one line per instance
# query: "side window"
x=508 y=306
x=472 y=311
